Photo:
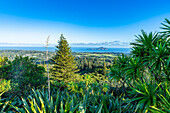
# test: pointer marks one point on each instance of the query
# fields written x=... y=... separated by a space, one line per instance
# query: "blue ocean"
x=74 y=49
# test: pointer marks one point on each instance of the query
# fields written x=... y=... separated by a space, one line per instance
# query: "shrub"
x=5 y=85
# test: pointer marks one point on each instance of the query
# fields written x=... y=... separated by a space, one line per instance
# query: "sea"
x=74 y=49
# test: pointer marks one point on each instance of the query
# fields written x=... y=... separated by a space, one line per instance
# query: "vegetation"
x=63 y=64
x=137 y=83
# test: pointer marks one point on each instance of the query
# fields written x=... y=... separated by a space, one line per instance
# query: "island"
x=100 y=48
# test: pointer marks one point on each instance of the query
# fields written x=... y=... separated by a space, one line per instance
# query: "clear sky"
x=81 y=21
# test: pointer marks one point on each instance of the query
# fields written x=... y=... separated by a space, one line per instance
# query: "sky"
x=81 y=21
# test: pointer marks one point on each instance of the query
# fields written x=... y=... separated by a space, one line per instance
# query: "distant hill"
x=100 y=48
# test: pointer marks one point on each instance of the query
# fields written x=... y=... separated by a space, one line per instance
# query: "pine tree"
x=85 y=64
x=104 y=67
x=90 y=65
x=64 y=66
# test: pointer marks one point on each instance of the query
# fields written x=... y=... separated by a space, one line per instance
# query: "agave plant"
x=63 y=102
x=39 y=103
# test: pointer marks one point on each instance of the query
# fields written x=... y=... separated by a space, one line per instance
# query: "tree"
x=4 y=67
x=104 y=67
x=64 y=66
x=26 y=73
x=86 y=67
x=134 y=69
x=145 y=46
x=90 y=65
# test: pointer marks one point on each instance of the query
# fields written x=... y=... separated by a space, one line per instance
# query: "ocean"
x=74 y=49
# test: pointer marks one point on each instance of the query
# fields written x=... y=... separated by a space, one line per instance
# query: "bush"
x=5 y=85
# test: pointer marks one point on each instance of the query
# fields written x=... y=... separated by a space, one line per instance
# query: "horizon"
x=80 y=22
x=114 y=44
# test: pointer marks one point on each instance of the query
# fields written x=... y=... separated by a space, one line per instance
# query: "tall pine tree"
x=64 y=66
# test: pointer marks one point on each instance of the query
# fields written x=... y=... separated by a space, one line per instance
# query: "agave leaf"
x=51 y=104
x=37 y=107
x=42 y=105
x=26 y=106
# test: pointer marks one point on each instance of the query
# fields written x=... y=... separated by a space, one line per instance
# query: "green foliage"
x=65 y=102
x=3 y=61
x=26 y=73
x=63 y=64
x=4 y=67
x=145 y=94
x=22 y=73
x=104 y=68
x=88 y=83
x=118 y=71
x=38 y=102
x=89 y=64
x=158 y=57
x=146 y=71
x=166 y=28
x=5 y=85
x=134 y=69
x=146 y=41
x=164 y=104
x=139 y=82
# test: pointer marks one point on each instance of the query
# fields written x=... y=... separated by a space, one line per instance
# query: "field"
x=40 y=56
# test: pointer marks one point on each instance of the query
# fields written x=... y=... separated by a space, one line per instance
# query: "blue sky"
x=81 y=21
